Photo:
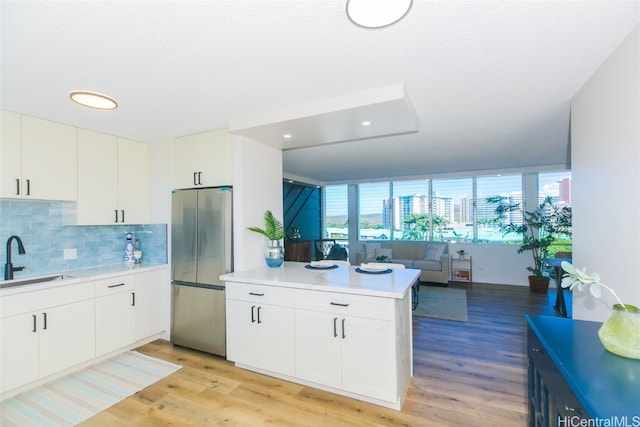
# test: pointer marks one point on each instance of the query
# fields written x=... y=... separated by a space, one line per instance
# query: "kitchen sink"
x=34 y=280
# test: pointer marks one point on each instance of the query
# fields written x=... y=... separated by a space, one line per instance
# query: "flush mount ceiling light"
x=366 y=123
x=377 y=13
x=287 y=136
x=93 y=100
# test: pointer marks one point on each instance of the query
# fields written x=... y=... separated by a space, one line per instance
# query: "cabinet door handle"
x=258 y=310
x=122 y=212
x=115 y=211
x=34 y=323
x=341 y=304
x=253 y=320
x=343 y=334
x=28 y=187
x=115 y=286
x=44 y=320
x=199 y=178
x=133 y=299
x=256 y=294
x=335 y=327
x=194 y=178
x=17 y=186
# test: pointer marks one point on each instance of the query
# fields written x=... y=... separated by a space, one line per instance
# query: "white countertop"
x=343 y=279
x=74 y=276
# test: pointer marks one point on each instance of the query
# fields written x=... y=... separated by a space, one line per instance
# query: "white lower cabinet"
x=47 y=331
x=68 y=338
x=152 y=303
x=344 y=351
x=355 y=345
x=115 y=313
x=260 y=325
x=39 y=339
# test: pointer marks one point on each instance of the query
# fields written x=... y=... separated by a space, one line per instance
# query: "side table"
x=462 y=269
x=297 y=250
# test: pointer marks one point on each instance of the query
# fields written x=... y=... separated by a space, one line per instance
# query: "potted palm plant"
x=539 y=229
x=274 y=231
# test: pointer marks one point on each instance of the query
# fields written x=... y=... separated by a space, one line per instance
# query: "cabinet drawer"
x=33 y=301
x=347 y=304
x=114 y=285
x=260 y=294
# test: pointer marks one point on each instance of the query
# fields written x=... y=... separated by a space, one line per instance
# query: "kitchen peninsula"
x=335 y=329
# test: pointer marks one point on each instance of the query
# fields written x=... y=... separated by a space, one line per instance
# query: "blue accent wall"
x=46 y=229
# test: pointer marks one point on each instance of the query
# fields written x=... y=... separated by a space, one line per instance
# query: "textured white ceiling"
x=490 y=81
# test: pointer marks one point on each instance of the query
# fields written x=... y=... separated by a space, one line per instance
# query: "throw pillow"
x=384 y=252
x=370 y=250
x=434 y=251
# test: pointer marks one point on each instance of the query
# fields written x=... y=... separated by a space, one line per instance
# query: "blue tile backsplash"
x=46 y=229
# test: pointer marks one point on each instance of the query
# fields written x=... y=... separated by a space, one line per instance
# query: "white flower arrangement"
x=580 y=278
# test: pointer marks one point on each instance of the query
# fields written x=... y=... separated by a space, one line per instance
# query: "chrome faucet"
x=8 y=267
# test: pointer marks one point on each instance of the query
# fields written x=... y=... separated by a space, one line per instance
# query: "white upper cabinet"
x=133 y=181
x=202 y=160
x=39 y=159
x=113 y=180
x=97 y=178
x=10 y=157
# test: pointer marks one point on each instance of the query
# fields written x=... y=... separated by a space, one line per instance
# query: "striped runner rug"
x=78 y=396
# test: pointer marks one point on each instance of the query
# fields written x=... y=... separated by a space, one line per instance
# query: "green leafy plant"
x=539 y=229
x=273 y=229
x=575 y=277
x=461 y=252
x=381 y=258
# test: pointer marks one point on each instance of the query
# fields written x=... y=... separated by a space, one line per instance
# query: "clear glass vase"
x=620 y=333
x=275 y=254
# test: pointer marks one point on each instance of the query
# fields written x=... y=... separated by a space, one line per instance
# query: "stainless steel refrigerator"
x=201 y=250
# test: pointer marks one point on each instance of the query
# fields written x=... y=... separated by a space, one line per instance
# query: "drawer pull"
x=256 y=294
x=115 y=286
x=341 y=304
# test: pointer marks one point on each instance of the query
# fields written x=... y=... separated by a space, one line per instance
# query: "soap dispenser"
x=128 y=250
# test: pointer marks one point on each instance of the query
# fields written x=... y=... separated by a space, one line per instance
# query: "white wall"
x=160 y=211
x=500 y=264
x=605 y=157
x=257 y=181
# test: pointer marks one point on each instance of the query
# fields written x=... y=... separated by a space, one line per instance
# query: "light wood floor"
x=465 y=374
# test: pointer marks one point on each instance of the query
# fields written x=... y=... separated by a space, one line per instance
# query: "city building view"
x=451 y=213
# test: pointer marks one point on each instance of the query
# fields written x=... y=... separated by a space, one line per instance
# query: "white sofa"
x=430 y=257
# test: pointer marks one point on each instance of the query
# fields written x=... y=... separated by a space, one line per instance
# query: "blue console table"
x=571 y=377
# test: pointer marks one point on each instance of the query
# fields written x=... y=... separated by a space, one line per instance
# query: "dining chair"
x=323 y=247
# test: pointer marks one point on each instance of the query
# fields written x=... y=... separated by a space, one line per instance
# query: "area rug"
x=78 y=396
x=442 y=303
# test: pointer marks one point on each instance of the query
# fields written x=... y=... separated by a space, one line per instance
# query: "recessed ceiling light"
x=287 y=136
x=377 y=13
x=366 y=123
x=93 y=100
